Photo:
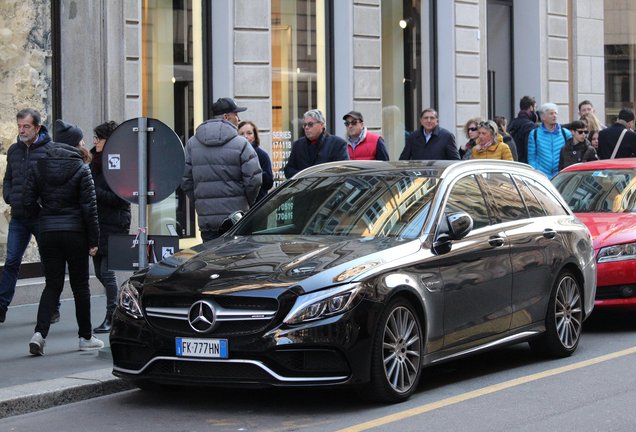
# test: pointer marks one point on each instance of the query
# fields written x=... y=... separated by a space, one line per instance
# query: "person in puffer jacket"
x=60 y=191
x=222 y=173
x=546 y=141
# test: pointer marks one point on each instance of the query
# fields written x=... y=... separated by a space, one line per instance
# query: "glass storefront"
x=620 y=57
x=401 y=77
x=298 y=72
x=172 y=92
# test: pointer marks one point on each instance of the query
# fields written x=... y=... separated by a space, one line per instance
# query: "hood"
x=60 y=164
x=608 y=229
x=277 y=263
x=215 y=132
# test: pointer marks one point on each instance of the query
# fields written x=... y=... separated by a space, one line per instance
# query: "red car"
x=603 y=196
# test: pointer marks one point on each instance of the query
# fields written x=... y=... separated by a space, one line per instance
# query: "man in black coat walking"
x=521 y=126
x=32 y=144
x=608 y=138
x=430 y=141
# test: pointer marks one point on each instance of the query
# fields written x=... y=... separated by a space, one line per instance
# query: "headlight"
x=128 y=300
x=622 y=252
x=319 y=305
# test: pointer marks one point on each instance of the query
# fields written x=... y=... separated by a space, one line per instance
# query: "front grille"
x=616 y=292
x=235 y=315
x=205 y=371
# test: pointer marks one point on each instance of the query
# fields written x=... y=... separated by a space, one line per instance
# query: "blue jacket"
x=441 y=146
x=328 y=148
x=544 y=148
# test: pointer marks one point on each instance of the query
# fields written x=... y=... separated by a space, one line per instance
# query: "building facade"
x=97 y=60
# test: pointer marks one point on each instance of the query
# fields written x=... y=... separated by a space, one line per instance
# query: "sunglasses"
x=352 y=122
x=473 y=129
x=309 y=125
x=581 y=131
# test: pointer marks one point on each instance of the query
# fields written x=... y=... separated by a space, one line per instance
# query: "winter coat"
x=574 y=153
x=370 y=147
x=499 y=151
x=519 y=129
x=328 y=148
x=20 y=159
x=112 y=211
x=607 y=139
x=544 y=148
x=268 y=175
x=222 y=173
x=440 y=146
x=60 y=189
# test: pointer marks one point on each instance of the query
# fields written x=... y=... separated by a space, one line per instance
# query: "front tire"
x=564 y=319
x=396 y=360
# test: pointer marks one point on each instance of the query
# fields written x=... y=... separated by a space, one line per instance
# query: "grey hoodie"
x=222 y=173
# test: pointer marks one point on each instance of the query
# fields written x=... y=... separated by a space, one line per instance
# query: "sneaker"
x=3 y=314
x=90 y=344
x=55 y=317
x=36 y=346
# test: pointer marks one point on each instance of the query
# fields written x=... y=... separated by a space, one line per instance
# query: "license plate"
x=203 y=348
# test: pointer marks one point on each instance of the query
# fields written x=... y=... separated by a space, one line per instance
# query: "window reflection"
x=365 y=206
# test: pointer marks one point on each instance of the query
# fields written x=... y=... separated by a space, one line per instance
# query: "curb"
x=26 y=398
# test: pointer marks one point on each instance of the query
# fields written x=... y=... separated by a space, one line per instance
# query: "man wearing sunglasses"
x=316 y=147
x=578 y=149
x=362 y=144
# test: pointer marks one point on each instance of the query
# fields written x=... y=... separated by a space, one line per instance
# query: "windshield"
x=600 y=191
x=362 y=206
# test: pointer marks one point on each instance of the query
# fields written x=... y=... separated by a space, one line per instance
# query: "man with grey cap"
x=222 y=173
x=362 y=144
x=316 y=147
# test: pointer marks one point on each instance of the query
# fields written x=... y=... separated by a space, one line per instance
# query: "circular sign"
x=165 y=161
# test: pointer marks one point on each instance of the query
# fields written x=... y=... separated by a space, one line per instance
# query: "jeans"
x=20 y=232
x=108 y=279
x=57 y=248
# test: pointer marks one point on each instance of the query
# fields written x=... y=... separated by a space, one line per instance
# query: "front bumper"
x=616 y=285
x=332 y=351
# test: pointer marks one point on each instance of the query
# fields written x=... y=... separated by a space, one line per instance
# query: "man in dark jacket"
x=316 y=147
x=521 y=126
x=32 y=144
x=222 y=173
x=577 y=149
x=608 y=138
x=430 y=141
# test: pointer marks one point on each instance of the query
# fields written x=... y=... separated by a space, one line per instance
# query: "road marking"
x=484 y=391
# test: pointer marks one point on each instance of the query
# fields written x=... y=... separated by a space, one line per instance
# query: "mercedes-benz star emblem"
x=202 y=316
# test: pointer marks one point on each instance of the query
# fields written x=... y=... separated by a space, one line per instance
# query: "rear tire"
x=564 y=319
x=396 y=359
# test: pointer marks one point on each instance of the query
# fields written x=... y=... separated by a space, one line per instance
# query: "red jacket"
x=365 y=150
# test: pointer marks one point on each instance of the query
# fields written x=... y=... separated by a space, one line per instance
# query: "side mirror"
x=459 y=225
x=454 y=226
x=230 y=221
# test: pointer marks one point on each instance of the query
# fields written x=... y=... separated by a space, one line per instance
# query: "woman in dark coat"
x=60 y=192
x=114 y=218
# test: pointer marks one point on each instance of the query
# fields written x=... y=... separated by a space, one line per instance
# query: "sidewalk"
x=64 y=374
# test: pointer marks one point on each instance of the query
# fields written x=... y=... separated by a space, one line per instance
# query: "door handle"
x=549 y=233
x=496 y=241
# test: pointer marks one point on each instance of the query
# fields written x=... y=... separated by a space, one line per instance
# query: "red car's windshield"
x=598 y=191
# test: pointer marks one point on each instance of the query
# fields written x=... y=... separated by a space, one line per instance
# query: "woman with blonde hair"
x=592 y=122
x=491 y=145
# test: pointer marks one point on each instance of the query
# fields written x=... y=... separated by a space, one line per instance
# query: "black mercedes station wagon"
x=362 y=273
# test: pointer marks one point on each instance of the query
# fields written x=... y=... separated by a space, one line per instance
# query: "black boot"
x=106 y=325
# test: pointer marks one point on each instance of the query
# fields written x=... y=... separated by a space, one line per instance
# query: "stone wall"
x=25 y=79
